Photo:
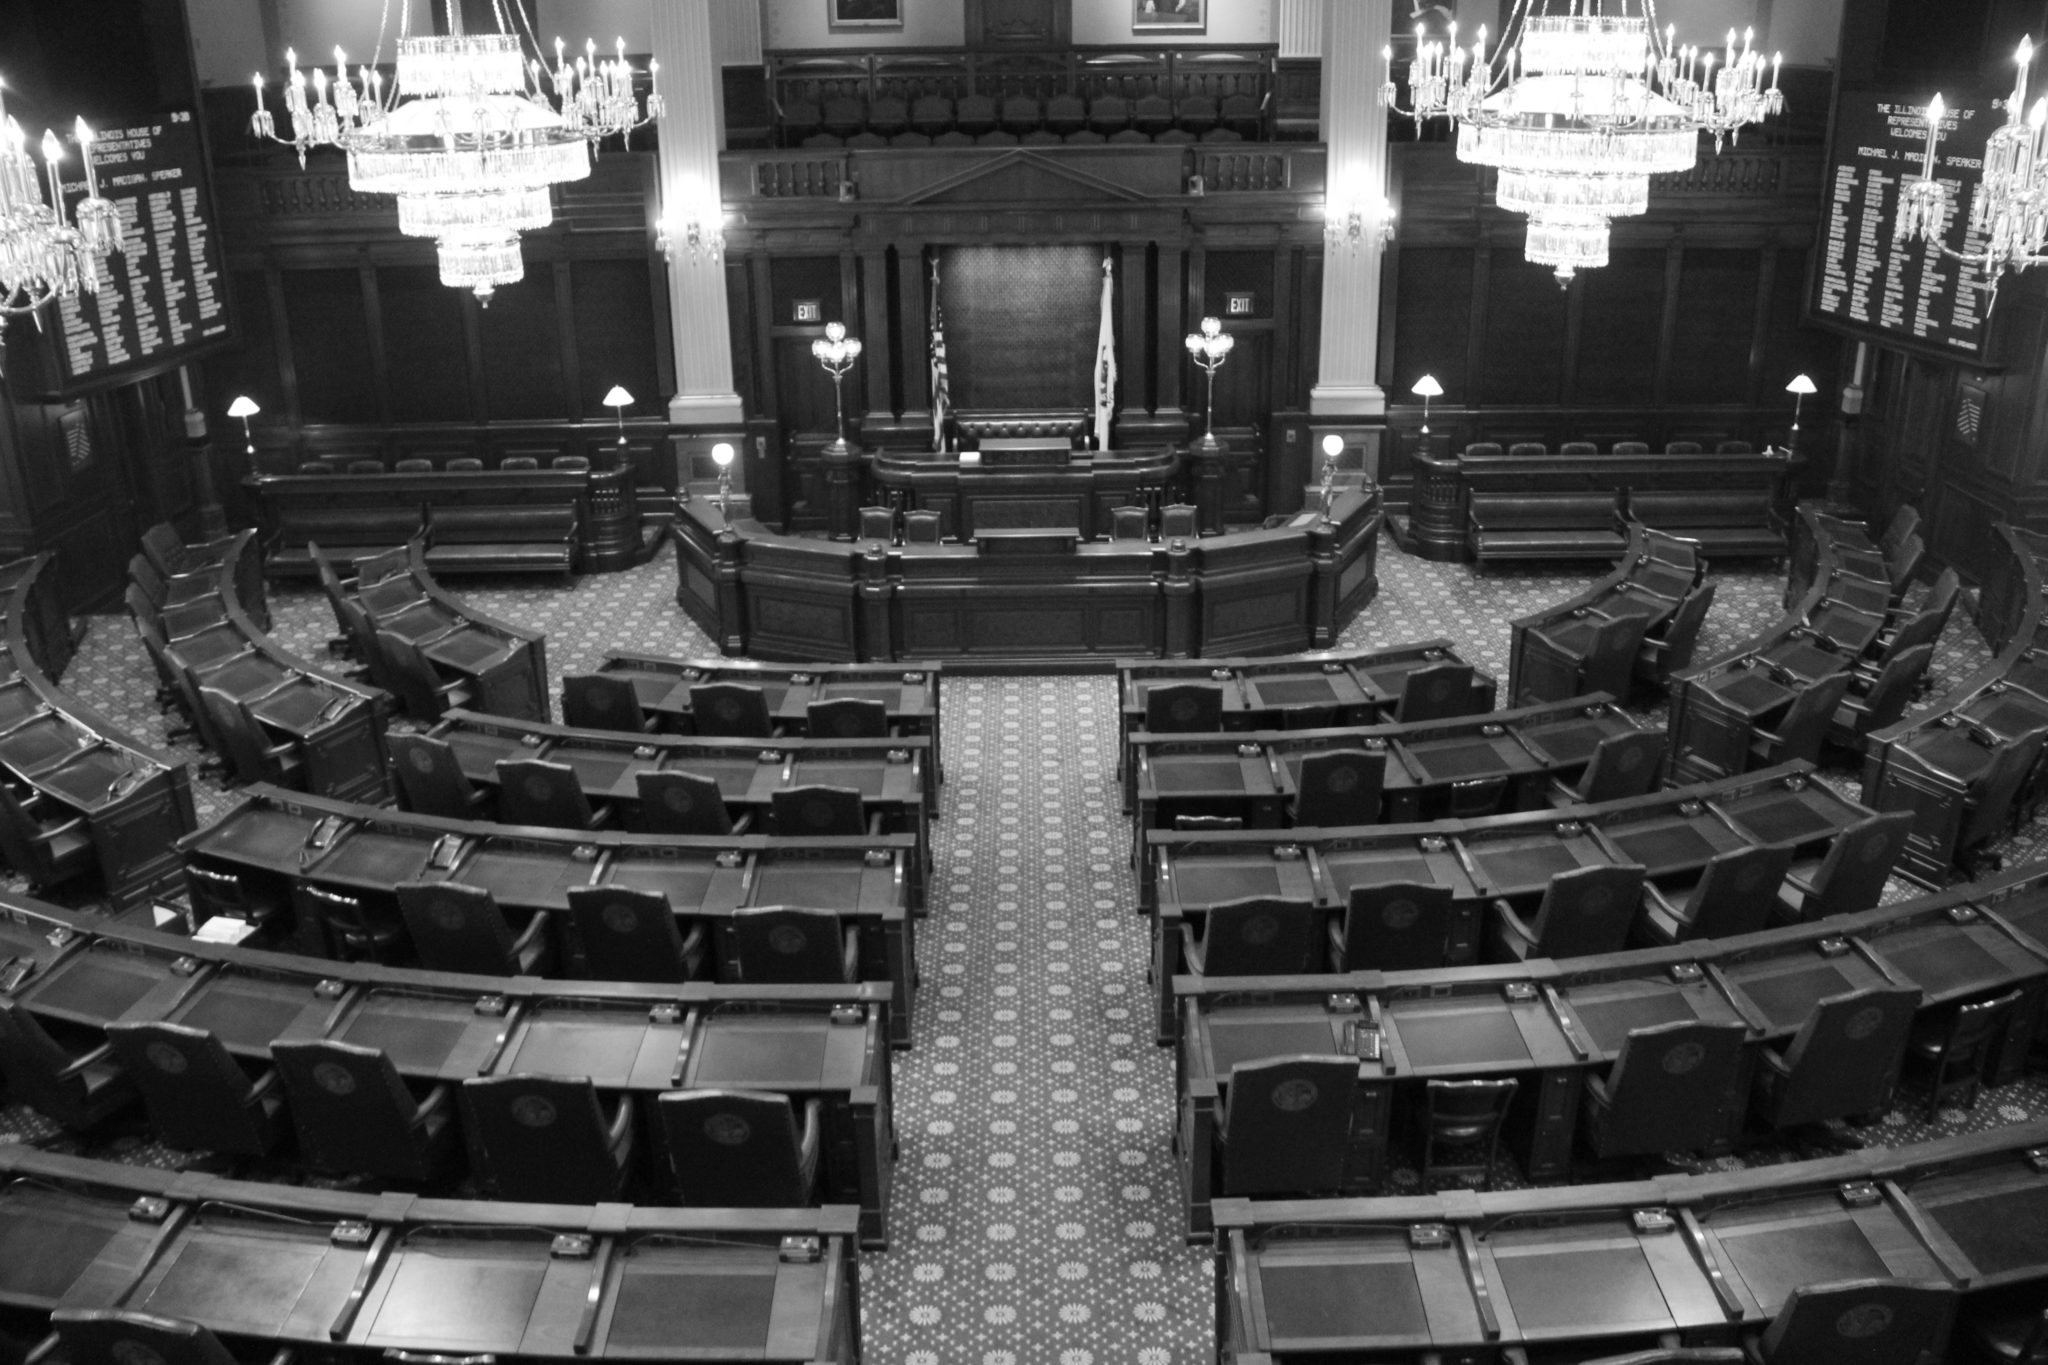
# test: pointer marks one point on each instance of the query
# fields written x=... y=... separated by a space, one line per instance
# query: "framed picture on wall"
x=851 y=16
x=1169 y=16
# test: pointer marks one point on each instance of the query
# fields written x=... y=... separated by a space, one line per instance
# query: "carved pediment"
x=1022 y=175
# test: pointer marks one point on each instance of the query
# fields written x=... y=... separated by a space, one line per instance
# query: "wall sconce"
x=692 y=237
x=1427 y=388
x=1354 y=225
x=245 y=407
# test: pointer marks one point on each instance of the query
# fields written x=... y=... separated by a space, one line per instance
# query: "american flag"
x=942 y=384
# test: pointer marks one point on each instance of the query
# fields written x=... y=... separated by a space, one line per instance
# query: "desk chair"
x=1584 y=911
x=817 y=811
x=1578 y=448
x=1622 y=766
x=740 y=1149
x=1804 y=726
x=786 y=945
x=170 y=556
x=1850 y=877
x=411 y=675
x=459 y=928
x=217 y=894
x=1605 y=654
x=122 y=1336
x=189 y=618
x=1436 y=692
x=198 y=1096
x=847 y=718
x=1393 y=927
x=1668 y=1091
x=370 y=570
x=1340 y=787
x=414 y=465
x=1528 y=448
x=547 y=1140
x=1129 y=523
x=1843 y=1062
x=1485 y=448
x=1988 y=807
x=2008 y=1328
x=1286 y=1125
x=878 y=523
x=1256 y=936
x=43 y=849
x=431 y=780
x=1464 y=1114
x=1109 y=114
x=921 y=528
x=1183 y=708
x=78 y=1086
x=345 y=644
x=1886 y=700
x=603 y=701
x=628 y=934
x=736 y=710
x=683 y=803
x=1732 y=895
x=1177 y=521
x=250 y=751
x=533 y=791
x=1859 y=1322
x=1957 y=1047
x=1923 y=627
x=1661 y=656
x=357 y=1116
x=354 y=932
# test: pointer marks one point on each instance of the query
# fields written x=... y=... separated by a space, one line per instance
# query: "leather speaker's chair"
x=1732 y=895
x=547 y=1140
x=629 y=934
x=730 y=710
x=1257 y=936
x=1286 y=1124
x=1667 y=1090
x=847 y=718
x=356 y=1115
x=1844 y=1060
x=682 y=803
x=198 y=1096
x=533 y=791
x=815 y=812
x=43 y=850
x=603 y=701
x=878 y=523
x=122 y=1336
x=1340 y=787
x=740 y=1149
x=1584 y=911
x=1849 y=878
x=1393 y=927
x=1804 y=726
x=787 y=945
x=1183 y=708
x=250 y=751
x=1436 y=692
x=1464 y=1114
x=355 y=931
x=424 y=693
x=921 y=528
x=1867 y=1322
x=77 y=1084
x=1622 y=766
x=1957 y=1047
x=431 y=780
x=459 y=928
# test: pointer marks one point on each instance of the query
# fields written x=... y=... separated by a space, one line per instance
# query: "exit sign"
x=1237 y=305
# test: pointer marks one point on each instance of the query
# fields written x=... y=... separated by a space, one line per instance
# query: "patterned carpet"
x=1037 y=1215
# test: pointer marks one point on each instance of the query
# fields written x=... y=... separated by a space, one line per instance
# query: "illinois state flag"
x=1105 y=364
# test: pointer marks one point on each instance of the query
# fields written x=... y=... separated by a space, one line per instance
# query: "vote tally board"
x=166 y=298
x=1863 y=281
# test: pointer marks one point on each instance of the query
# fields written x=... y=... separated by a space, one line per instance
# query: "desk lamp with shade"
x=1798 y=388
x=721 y=455
x=618 y=400
x=245 y=407
x=1427 y=388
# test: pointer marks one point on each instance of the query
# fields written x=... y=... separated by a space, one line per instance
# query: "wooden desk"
x=1022 y=481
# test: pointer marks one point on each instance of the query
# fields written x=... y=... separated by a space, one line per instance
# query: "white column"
x=1355 y=130
x=1300 y=28
x=691 y=137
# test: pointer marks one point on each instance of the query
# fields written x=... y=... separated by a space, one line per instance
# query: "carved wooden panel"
x=1021 y=324
x=1019 y=23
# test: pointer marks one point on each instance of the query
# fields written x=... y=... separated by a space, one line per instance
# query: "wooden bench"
x=1543 y=525
x=515 y=539
x=1739 y=523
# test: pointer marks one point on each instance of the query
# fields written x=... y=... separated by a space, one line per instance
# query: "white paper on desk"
x=223 y=929
x=970 y=457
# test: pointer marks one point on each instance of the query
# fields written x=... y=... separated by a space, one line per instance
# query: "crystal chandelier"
x=1579 y=110
x=470 y=136
x=43 y=257
x=2009 y=212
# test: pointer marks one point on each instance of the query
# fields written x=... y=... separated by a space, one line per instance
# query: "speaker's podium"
x=1015 y=470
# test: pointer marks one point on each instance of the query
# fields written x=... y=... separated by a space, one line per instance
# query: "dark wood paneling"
x=1021 y=324
x=614 y=329
x=1525 y=319
x=424 y=345
x=1618 y=332
x=1433 y=317
x=1716 y=319
x=521 y=338
x=803 y=277
x=331 y=345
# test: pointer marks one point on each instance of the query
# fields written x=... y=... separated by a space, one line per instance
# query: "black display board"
x=1863 y=282
x=165 y=300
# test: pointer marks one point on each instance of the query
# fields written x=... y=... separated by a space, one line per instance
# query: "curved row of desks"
x=334 y=726
x=136 y=801
x=276 y=840
x=1552 y=1023
x=368 y=1277
x=1610 y=1268
x=1022 y=598
x=1672 y=833
x=908 y=691
x=829 y=1043
x=1956 y=737
x=1548 y=648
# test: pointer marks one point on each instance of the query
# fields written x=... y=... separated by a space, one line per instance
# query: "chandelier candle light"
x=837 y=351
x=1209 y=348
x=42 y=256
x=1580 y=111
x=470 y=136
x=2009 y=211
